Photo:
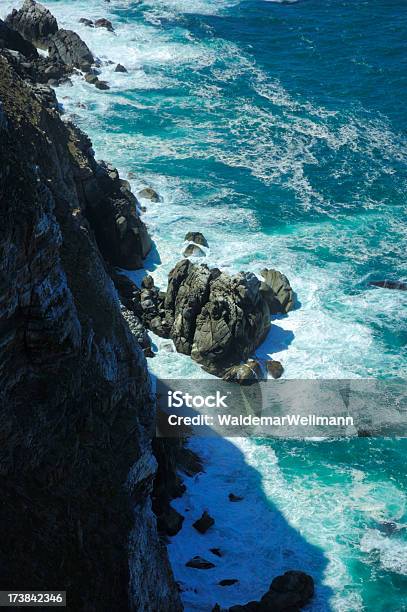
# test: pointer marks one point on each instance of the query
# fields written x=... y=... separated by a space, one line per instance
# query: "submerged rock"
x=103 y=85
x=204 y=523
x=228 y=582
x=86 y=22
x=200 y=563
x=148 y=193
x=235 y=498
x=104 y=23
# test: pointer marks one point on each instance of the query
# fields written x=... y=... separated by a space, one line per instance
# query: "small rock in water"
x=204 y=523
x=274 y=368
x=149 y=194
x=199 y=563
x=104 y=23
x=102 y=85
x=193 y=250
x=244 y=374
x=196 y=237
x=228 y=582
x=389 y=284
x=120 y=68
x=235 y=498
x=91 y=78
x=86 y=22
x=148 y=352
x=216 y=552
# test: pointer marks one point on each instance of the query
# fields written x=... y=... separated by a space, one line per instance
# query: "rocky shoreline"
x=73 y=353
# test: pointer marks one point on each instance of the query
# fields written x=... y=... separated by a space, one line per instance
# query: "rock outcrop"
x=34 y=22
x=67 y=47
x=39 y=28
x=216 y=318
x=287 y=593
x=76 y=416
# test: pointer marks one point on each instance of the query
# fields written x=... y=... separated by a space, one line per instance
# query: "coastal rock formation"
x=11 y=39
x=287 y=593
x=216 y=318
x=68 y=48
x=76 y=417
x=197 y=238
x=34 y=22
x=281 y=288
x=148 y=193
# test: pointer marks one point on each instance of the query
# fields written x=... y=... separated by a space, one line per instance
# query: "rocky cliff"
x=76 y=418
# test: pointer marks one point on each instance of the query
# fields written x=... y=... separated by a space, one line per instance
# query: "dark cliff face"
x=76 y=419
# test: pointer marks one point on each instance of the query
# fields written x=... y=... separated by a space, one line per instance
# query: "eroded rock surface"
x=216 y=318
x=76 y=416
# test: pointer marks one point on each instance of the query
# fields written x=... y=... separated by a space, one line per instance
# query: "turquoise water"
x=279 y=131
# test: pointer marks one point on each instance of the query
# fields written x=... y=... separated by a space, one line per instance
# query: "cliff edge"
x=76 y=417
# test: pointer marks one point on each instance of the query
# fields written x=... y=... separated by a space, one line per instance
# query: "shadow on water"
x=256 y=541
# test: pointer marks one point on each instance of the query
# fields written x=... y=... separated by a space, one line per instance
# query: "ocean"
x=278 y=129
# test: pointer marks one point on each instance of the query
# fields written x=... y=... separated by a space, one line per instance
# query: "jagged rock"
x=170 y=522
x=281 y=288
x=120 y=68
x=112 y=212
x=147 y=282
x=34 y=22
x=287 y=593
x=103 y=85
x=204 y=523
x=11 y=39
x=104 y=23
x=199 y=563
x=274 y=368
x=216 y=318
x=187 y=294
x=228 y=582
x=235 y=498
x=68 y=48
x=76 y=414
x=389 y=284
x=194 y=250
x=197 y=238
x=291 y=591
x=233 y=322
x=149 y=194
x=246 y=373
x=216 y=551
x=91 y=78
x=87 y=22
